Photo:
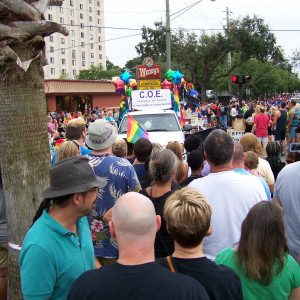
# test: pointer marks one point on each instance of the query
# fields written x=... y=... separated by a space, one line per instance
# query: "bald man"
x=135 y=275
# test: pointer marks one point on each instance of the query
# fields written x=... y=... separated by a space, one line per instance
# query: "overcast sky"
x=133 y=14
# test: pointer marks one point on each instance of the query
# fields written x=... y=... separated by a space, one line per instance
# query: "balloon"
x=194 y=93
x=125 y=77
x=120 y=91
x=119 y=84
x=177 y=77
x=167 y=84
x=132 y=83
x=183 y=81
x=128 y=91
x=115 y=78
x=169 y=75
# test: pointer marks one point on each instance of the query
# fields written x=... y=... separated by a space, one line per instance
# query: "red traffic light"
x=235 y=79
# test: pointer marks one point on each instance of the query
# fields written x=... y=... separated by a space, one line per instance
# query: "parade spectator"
x=287 y=194
x=249 y=142
x=271 y=114
x=76 y=130
x=260 y=127
x=195 y=162
x=68 y=149
x=191 y=210
x=233 y=113
x=110 y=118
x=294 y=116
x=261 y=259
x=58 y=247
x=273 y=157
x=3 y=243
x=61 y=129
x=135 y=275
x=162 y=167
x=209 y=113
x=119 y=148
x=130 y=153
x=239 y=167
x=120 y=178
x=142 y=151
x=51 y=126
x=183 y=168
x=248 y=118
x=230 y=195
x=251 y=163
x=223 y=115
x=280 y=122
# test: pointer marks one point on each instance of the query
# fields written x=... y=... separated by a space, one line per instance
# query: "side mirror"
x=187 y=127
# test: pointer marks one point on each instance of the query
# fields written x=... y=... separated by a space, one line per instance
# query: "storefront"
x=74 y=95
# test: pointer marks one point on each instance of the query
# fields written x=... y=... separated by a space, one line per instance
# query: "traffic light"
x=246 y=78
x=235 y=79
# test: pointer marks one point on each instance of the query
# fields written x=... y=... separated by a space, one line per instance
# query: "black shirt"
x=189 y=180
x=148 y=281
x=247 y=115
x=220 y=282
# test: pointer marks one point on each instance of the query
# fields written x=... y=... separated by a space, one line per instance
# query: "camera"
x=295 y=147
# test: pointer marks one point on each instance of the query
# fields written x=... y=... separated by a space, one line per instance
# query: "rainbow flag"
x=135 y=130
x=177 y=107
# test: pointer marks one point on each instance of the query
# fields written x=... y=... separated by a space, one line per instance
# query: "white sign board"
x=151 y=99
x=235 y=135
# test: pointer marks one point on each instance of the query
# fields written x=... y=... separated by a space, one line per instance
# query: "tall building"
x=84 y=46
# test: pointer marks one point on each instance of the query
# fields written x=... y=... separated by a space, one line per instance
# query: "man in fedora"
x=58 y=247
x=120 y=178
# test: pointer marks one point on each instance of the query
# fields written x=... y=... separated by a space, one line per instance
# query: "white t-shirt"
x=231 y=195
x=233 y=112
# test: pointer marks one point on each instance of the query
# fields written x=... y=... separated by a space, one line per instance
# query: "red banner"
x=153 y=72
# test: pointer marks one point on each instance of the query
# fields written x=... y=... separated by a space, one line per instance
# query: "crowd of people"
x=135 y=221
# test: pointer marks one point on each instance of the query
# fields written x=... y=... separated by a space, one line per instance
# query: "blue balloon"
x=177 y=77
x=194 y=93
x=125 y=77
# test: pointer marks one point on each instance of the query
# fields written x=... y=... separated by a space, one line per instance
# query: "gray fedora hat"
x=101 y=135
x=72 y=175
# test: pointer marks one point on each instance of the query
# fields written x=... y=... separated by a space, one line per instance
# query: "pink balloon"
x=167 y=84
x=119 y=84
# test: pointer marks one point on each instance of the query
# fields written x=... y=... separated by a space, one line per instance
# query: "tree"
x=200 y=58
x=24 y=146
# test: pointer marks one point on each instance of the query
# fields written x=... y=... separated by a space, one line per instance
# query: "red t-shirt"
x=261 y=121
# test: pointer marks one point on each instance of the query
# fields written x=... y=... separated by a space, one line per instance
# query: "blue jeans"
x=223 y=121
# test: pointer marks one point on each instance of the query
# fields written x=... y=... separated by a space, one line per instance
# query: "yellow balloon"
x=114 y=78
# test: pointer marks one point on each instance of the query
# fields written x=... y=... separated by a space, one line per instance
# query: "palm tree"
x=24 y=145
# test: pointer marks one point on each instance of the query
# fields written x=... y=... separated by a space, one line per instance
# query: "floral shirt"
x=120 y=178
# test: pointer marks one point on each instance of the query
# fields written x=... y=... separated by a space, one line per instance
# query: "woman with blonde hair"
x=162 y=168
x=261 y=259
x=249 y=142
x=183 y=168
x=68 y=149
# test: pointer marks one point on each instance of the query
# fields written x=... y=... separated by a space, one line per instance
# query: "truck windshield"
x=163 y=122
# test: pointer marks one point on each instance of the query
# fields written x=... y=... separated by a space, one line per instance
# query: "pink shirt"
x=261 y=121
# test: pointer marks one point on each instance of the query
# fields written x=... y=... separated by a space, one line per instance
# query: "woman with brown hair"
x=183 y=168
x=249 y=142
x=162 y=168
x=261 y=259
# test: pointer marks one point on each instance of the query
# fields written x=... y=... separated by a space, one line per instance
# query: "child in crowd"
x=251 y=163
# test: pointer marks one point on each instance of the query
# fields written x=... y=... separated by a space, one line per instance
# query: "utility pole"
x=229 y=54
x=168 y=36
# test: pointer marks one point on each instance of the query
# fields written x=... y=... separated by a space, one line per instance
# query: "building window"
x=81 y=16
x=51 y=38
x=92 y=46
x=82 y=35
x=72 y=43
x=63 y=61
x=72 y=13
x=92 y=55
x=49 y=17
x=98 y=3
x=74 y=72
x=73 y=62
x=81 y=25
x=83 y=63
x=51 y=60
x=61 y=10
x=61 y=20
x=90 y=1
x=99 y=21
x=101 y=64
x=50 y=7
x=64 y=71
x=71 y=3
x=52 y=71
x=98 y=12
x=82 y=55
x=90 y=9
x=91 y=37
x=51 y=49
x=81 y=6
x=100 y=47
x=99 y=39
x=99 y=29
x=72 y=23
x=63 y=51
x=100 y=56
x=72 y=32
x=92 y=63
x=91 y=19
x=91 y=28
x=82 y=44
x=73 y=54
x=62 y=40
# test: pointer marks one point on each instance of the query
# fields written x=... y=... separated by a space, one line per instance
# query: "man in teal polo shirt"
x=58 y=247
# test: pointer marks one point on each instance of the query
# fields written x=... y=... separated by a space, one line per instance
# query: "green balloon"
x=169 y=75
x=128 y=92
